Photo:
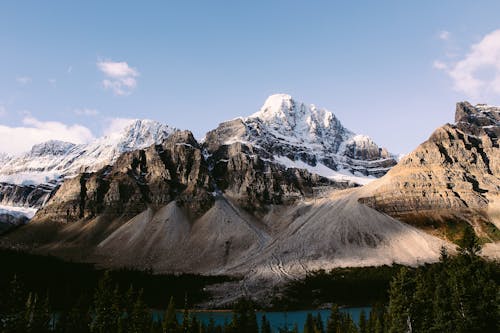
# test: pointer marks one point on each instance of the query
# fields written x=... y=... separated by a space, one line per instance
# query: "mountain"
x=229 y=205
x=27 y=181
x=297 y=135
x=451 y=179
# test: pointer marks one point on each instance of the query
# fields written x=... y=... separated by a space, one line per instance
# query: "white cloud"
x=14 y=140
x=52 y=82
x=120 y=77
x=478 y=74
x=23 y=80
x=86 y=112
x=444 y=35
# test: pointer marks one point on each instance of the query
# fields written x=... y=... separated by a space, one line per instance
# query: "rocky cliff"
x=451 y=179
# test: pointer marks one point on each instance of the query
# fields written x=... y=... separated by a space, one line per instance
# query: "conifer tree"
x=140 y=318
x=318 y=324
x=309 y=324
x=170 y=323
x=13 y=319
x=363 y=327
x=76 y=320
x=399 y=303
x=333 y=324
x=265 y=326
x=244 y=318
x=106 y=316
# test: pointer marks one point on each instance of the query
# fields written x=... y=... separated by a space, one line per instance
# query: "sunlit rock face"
x=453 y=176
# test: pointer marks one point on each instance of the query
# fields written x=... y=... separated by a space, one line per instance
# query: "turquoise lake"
x=277 y=319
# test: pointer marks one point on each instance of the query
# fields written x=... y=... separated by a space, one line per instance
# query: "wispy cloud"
x=3 y=110
x=477 y=74
x=23 y=80
x=14 y=140
x=70 y=69
x=86 y=112
x=52 y=82
x=444 y=35
x=120 y=77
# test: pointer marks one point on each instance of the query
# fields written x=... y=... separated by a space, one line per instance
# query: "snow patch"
x=324 y=171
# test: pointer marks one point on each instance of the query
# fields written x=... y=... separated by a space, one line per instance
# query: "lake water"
x=277 y=319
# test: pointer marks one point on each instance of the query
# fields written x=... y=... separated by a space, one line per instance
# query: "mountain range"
x=268 y=197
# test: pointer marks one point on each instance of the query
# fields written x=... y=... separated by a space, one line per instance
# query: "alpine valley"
x=268 y=197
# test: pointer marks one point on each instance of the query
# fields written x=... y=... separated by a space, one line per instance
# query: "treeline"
x=352 y=286
x=460 y=294
x=67 y=282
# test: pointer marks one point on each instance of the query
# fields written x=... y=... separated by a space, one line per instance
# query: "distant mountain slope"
x=28 y=180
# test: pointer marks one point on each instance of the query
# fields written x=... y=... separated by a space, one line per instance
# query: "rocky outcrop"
x=452 y=178
x=25 y=195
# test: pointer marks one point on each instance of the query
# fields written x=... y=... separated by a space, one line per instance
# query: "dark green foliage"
x=170 y=324
x=107 y=313
x=265 y=326
x=66 y=282
x=469 y=244
x=76 y=320
x=333 y=324
x=244 y=318
x=400 y=302
x=457 y=295
x=12 y=316
x=363 y=325
x=140 y=317
x=348 y=286
x=38 y=314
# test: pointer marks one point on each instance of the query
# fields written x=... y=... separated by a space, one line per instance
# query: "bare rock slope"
x=451 y=179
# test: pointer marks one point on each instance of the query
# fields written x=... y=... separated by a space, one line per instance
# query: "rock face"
x=288 y=131
x=452 y=177
x=178 y=170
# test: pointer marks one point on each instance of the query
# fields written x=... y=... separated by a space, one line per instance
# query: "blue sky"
x=389 y=69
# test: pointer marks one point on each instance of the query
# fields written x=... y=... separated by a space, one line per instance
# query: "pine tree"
x=185 y=319
x=318 y=324
x=244 y=318
x=469 y=243
x=13 y=319
x=309 y=324
x=106 y=313
x=170 y=323
x=363 y=327
x=76 y=320
x=421 y=311
x=400 y=302
x=265 y=326
x=333 y=324
x=140 y=318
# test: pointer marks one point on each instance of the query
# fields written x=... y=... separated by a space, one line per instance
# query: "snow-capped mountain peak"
x=139 y=133
x=51 y=148
x=51 y=161
x=283 y=113
x=295 y=134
